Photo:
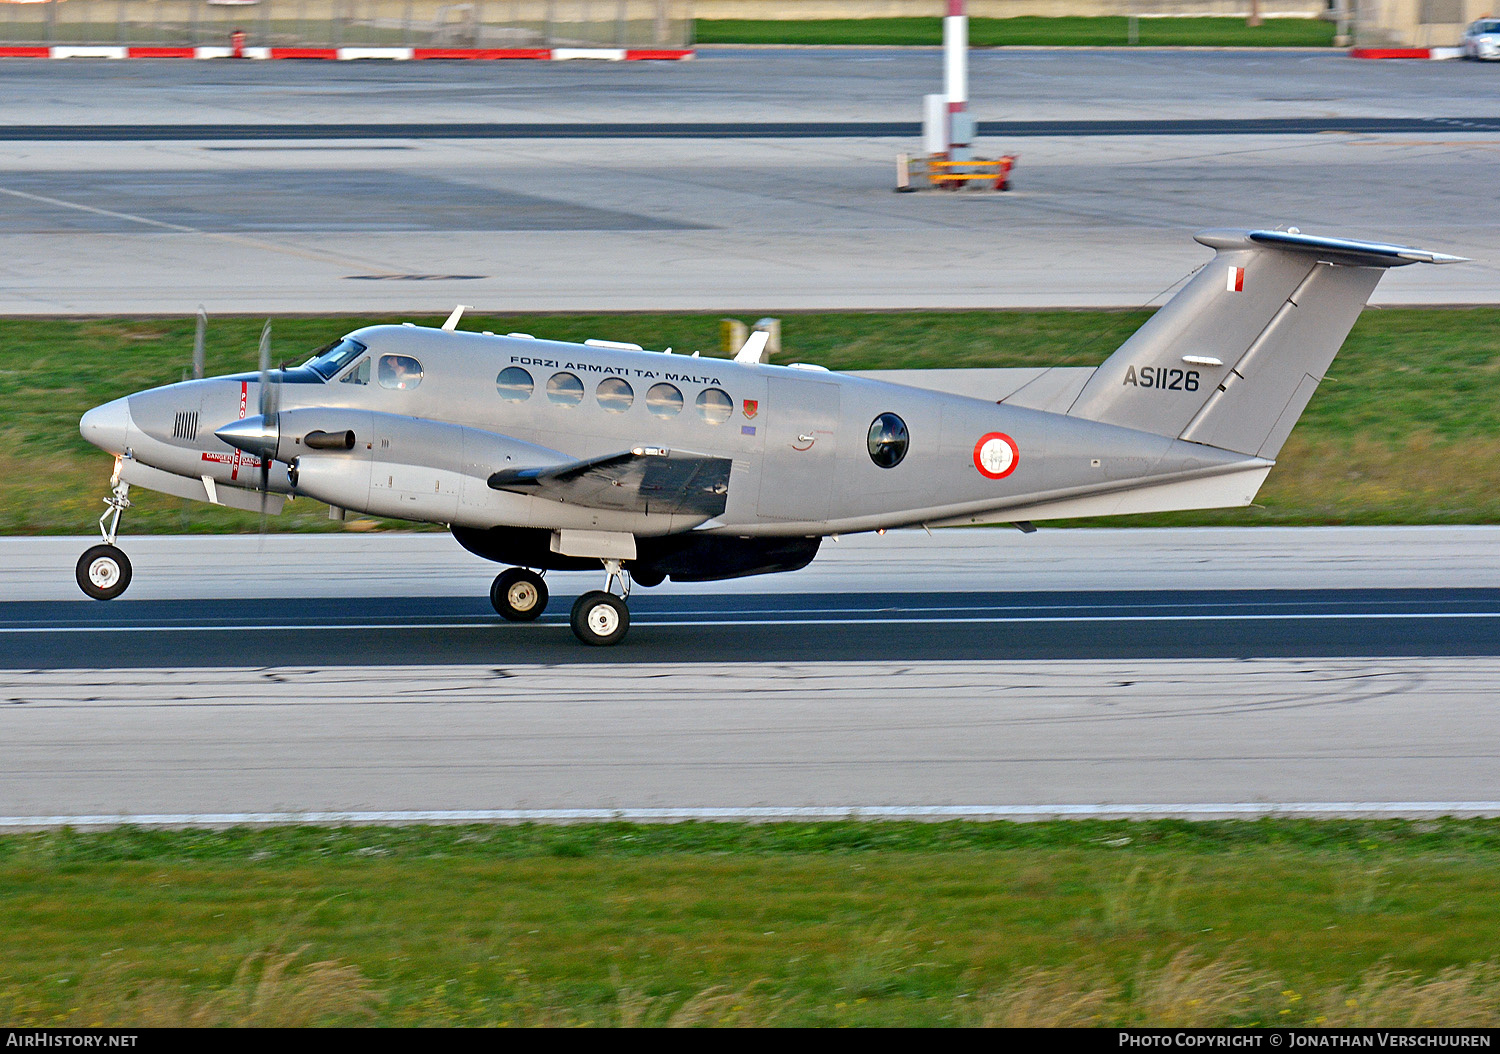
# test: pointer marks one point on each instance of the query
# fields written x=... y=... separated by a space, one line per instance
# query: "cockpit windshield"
x=330 y=359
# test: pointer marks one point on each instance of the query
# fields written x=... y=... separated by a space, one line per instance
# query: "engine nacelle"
x=408 y=468
x=411 y=468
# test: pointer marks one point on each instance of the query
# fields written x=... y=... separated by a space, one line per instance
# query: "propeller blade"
x=270 y=398
x=198 y=334
x=267 y=396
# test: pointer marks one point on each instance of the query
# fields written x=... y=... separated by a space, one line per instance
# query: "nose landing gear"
x=104 y=570
x=599 y=617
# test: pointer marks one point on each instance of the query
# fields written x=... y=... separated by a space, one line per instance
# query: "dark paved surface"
x=293 y=200
x=741 y=129
x=765 y=627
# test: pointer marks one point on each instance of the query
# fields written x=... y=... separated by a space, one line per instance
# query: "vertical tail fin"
x=1232 y=360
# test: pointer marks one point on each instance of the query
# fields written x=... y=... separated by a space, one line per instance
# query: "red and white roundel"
x=996 y=455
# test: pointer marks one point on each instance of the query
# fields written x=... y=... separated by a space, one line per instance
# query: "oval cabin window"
x=664 y=400
x=514 y=384
x=888 y=440
x=615 y=394
x=564 y=389
x=714 y=406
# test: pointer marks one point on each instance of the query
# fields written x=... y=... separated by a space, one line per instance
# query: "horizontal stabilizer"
x=645 y=479
x=1344 y=250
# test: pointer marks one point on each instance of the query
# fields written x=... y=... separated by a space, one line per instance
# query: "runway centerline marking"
x=324 y=626
x=888 y=612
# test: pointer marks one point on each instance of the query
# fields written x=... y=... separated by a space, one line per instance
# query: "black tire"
x=519 y=595
x=103 y=572
x=600 y=618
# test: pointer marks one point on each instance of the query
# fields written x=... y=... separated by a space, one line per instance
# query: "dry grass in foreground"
x=277 y=989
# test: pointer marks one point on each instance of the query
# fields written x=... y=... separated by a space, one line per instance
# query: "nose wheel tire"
x=600 y=618
x=519 y=595
x=103 y=572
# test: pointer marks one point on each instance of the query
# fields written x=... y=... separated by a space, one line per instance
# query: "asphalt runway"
x=773 y=739
x=974 y=672
x=747 y=181
x=736 y=130
x=749 y=627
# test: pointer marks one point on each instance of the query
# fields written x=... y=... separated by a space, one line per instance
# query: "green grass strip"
x=1405 y=430
x=1032 y=31
x=1082 y=923
x=67 y=847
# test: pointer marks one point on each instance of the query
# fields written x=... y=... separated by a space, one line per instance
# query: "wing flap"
x=643 y=479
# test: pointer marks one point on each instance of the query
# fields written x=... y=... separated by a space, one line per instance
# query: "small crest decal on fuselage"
x=751 y=407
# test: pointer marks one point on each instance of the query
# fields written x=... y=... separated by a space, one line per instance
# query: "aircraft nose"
x=107 y=426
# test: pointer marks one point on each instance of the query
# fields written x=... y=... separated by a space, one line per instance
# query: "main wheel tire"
x=600 y=618
x=103 y=572
x=518 y=594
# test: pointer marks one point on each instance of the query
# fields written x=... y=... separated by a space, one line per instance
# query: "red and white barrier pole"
x=956 y=79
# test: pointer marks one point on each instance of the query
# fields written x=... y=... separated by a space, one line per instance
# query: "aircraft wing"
x=644 y=479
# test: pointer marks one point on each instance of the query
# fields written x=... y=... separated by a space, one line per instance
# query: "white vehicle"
x=1482 y=39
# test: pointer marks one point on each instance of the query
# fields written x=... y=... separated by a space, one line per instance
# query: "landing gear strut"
x=104 y=570
x=519 y=595
x=599 y=617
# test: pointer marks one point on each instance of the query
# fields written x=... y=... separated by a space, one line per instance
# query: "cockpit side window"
x=329 y=360
x=360 y=374
x=401 y=372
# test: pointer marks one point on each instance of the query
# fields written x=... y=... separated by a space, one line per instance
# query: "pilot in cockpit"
x=400 y=371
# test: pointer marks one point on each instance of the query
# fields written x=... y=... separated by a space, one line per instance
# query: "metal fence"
x=351 y=23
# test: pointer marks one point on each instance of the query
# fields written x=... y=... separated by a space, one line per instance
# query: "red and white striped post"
x=956 y=80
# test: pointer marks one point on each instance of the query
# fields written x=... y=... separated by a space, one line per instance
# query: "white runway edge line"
x=1189 y=811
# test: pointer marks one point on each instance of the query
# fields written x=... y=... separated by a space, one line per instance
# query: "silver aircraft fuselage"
x=797 y=438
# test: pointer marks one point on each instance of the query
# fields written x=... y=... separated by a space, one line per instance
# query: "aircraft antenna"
x=458 y=313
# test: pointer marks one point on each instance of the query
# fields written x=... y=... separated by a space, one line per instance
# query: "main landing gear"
x=104 y=570
x=599 y=617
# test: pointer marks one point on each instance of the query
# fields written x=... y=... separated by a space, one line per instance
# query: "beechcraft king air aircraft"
x=553 y=456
